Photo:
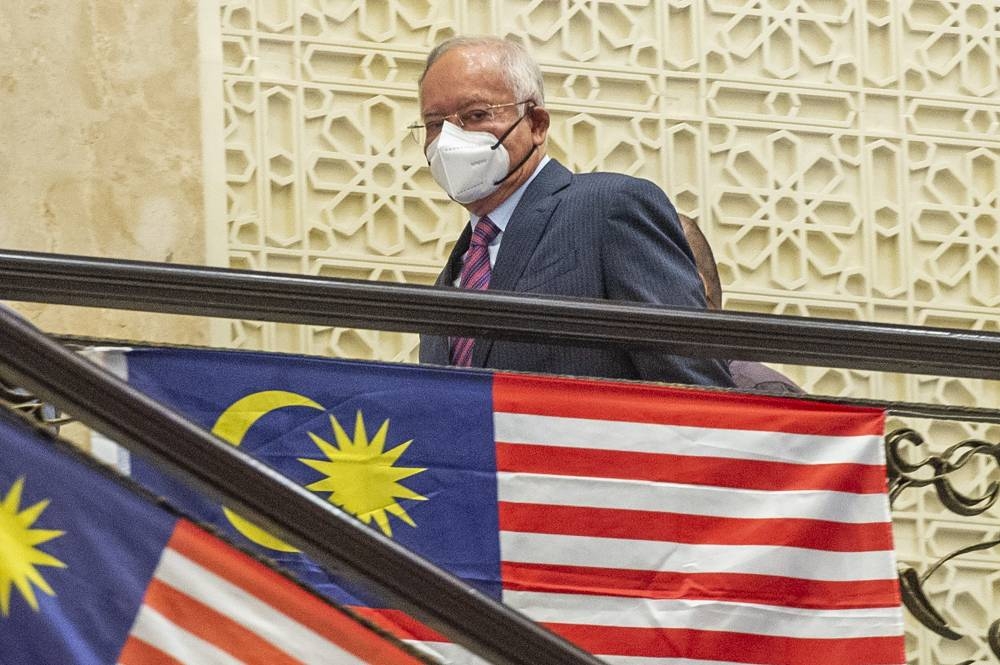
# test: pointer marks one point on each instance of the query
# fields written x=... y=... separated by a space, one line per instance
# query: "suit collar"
x=527 y=224
x=502 y=213
x=549 y=180
x=525 y=229
x=453 y=267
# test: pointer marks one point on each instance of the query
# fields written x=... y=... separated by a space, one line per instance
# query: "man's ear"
x=539 y=118
x=709 y=302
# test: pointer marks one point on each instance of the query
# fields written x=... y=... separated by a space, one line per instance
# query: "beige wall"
x=101 y=144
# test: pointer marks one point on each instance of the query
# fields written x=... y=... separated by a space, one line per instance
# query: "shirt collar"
x=502 y=213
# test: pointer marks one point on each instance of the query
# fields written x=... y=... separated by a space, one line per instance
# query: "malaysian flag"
x=93 y=574
x=648 y=524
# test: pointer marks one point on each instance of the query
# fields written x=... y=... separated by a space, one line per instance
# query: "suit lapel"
x=435 y=349
x=524 y=230
x=454 y=265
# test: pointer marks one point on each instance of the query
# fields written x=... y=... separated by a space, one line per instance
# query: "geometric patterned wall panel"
x=843 y=157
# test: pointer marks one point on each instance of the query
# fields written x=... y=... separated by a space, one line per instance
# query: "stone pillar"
x=101 y=146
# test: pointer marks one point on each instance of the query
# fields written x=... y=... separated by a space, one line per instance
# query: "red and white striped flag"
x=687 y=526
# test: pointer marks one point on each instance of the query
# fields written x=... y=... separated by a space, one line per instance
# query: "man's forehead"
x=477 y=59
x=460 y=103
x=463 y=76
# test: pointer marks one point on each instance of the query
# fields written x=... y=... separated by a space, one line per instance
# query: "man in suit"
x=536 y=227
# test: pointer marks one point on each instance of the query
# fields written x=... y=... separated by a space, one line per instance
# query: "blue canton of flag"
x=76 y=554
x=323 y=424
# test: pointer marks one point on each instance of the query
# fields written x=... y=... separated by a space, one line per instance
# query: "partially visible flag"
x=648 y=524
x=91 y=573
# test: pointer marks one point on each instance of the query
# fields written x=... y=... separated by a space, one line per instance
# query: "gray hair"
x=520 y=69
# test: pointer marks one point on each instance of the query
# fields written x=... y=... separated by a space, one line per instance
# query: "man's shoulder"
x=611 y=177
x=595 y=191
x=555 y=168
x=606 y=183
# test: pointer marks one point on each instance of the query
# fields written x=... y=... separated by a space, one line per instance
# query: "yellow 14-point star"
x=19 y=557
x=360 y=475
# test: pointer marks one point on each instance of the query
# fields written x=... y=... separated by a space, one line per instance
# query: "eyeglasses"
x=474 y=119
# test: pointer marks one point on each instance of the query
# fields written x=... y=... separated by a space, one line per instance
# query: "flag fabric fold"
x=93 y=573
x=648 y=524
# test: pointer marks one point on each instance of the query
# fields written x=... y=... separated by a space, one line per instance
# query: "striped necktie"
x=475 y=275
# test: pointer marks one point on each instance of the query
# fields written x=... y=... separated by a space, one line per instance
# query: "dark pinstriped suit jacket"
x=598 y=235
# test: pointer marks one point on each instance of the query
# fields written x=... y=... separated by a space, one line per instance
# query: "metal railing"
x=244 y=294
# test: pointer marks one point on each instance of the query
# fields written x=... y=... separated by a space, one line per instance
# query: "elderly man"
x=538 y=228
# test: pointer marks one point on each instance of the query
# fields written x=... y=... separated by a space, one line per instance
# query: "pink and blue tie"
x=475 y=275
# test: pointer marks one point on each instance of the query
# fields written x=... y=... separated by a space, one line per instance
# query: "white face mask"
x=467 y=165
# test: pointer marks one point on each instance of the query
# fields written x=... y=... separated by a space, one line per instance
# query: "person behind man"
x=747 y=375
x=538 y=228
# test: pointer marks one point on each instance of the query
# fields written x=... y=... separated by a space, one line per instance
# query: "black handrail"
x=161 y=287
x=226 y=474
x=168 y=288
x=956 y=412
